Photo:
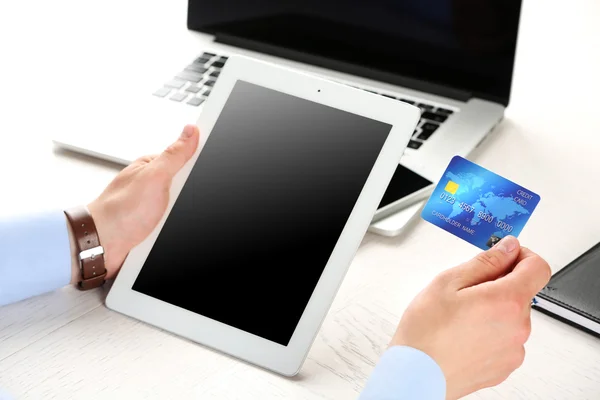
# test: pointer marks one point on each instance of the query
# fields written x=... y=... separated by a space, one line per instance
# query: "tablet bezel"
x=285 y=360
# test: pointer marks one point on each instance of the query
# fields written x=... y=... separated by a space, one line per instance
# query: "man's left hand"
x=135 y=201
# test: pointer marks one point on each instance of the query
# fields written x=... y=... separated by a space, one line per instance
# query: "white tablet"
x=266 y=217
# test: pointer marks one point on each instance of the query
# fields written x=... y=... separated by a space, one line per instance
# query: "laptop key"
x=207 y=54
x=215 y=74
x=407 y=101
x=425 y=107
x=175 y=83
x=201 y=60
x=218 y=64
x=179 y=96
x=209 y=83
x=427 y=130
x=424 y=135
x=413 y=144
x=192 y=89
x=190 y=76
x=196 y=68
x=443 y=111
x=390 y=96
x=206 y=93
x=162 y=92
x=195 y=101
x=429 y=126
x=434 y=117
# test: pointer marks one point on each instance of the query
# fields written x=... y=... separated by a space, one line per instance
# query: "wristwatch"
x=90 y=253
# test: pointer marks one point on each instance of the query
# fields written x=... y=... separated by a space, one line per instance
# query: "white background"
x=57 y=57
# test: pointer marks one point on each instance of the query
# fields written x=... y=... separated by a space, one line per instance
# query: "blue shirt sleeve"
x=405 y=373
x=35 y=255
x=5 y=395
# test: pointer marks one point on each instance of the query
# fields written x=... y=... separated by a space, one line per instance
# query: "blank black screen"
x=404 y=182
x=262 y=209
x=461 y=44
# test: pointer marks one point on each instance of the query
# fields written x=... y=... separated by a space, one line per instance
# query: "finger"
x=530 y=275
x=527 y=311
x=488 y=265
x=145 y=159
x=176 y=155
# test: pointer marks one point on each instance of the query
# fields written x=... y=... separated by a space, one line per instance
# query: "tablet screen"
x=261 y=211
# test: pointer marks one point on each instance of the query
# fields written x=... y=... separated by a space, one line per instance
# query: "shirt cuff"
x=405 y=373
x=35 y=255
x=4 y=395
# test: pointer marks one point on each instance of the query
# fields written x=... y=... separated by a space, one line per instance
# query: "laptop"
x=452 y=59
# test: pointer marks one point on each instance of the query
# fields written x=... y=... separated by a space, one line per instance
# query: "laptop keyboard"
x=193 y=85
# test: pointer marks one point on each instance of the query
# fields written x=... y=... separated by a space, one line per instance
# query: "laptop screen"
x=442 y=46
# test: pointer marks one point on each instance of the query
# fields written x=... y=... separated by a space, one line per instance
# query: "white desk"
x=66 y=344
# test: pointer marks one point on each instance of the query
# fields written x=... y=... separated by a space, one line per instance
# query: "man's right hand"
x=474 y=319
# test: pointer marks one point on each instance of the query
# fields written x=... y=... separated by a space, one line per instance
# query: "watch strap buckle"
x=91 y=253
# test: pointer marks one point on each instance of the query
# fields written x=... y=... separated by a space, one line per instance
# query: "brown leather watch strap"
x=89 y=250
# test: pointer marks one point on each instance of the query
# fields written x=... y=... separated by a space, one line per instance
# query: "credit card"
x=478 y=205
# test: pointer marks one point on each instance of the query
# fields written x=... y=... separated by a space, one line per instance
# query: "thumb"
x=489 y=265
x=176 y=155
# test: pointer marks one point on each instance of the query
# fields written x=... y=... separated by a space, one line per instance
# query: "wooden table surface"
x=67 y=344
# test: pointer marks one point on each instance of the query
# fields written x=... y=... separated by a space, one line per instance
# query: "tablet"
x=265 y=219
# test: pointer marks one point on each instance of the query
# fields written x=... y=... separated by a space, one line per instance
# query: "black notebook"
x=573 y=293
